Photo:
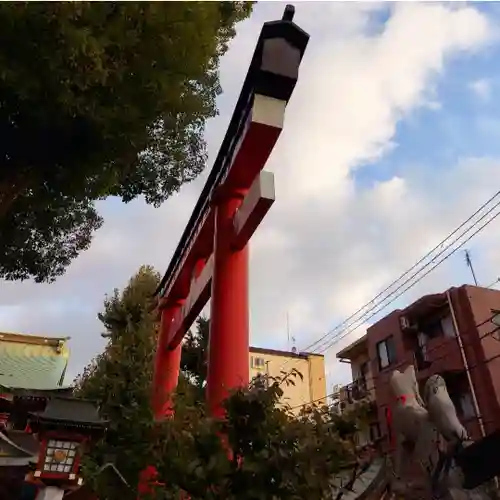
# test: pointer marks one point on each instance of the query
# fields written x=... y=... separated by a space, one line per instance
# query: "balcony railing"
x=421 y=358
x=356 y=391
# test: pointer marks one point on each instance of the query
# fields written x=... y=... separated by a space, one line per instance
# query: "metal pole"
x=468 y=260
x=466 y=365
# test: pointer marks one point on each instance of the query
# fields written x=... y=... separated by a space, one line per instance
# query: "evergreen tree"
x=120 y=378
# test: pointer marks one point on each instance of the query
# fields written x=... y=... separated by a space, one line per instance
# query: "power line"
x=429 y=351
x=344 y=333
x=365 y=318
x=422 y=259
x=327 y=343
x=341 y=334
x=493 y=283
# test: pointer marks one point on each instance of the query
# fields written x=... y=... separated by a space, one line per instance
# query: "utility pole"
x=468 y=261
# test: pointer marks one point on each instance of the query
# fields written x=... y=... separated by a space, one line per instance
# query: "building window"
x=447 y=326
x=258 y=362
x=363 y=376
x=466 y=405
x=374 y=431
x=422 y=340
x=421 y=358
x=432 y=328
x=386 y=353
x=438 y=326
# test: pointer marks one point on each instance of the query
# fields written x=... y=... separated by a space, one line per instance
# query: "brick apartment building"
x=452 y=334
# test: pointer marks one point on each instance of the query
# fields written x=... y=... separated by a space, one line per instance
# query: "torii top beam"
x=272 y=75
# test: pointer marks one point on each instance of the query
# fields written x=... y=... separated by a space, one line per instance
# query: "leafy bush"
x=260 y=450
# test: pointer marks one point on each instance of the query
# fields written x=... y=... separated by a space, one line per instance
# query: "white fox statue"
x=420 y=426
x=416 y=437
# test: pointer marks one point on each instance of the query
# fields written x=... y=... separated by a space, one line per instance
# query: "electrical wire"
x=493 y=283
x=411 y=285
x=343 y=333
x=422 y=259
x=327 y=344
x=374 y=378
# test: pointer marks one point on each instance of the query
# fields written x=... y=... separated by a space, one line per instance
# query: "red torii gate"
x=211 y=259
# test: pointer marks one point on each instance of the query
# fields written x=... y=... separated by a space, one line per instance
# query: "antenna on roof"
x=468 y=261
x=291 y=338
x=288 y=330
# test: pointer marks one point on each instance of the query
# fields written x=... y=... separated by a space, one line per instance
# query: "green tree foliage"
x=43 y=235
x=99 y=99
x=120 y=378
x=275 y=454
x=194 y=353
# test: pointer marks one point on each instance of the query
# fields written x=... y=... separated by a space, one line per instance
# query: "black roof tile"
x=70 y=410
x=24 y=440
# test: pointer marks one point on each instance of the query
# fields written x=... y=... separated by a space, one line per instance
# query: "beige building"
x=271 y=363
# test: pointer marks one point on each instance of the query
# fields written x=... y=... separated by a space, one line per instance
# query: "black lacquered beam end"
x=288 y=13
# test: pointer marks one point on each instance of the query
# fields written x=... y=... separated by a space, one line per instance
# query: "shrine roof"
x=13 y=446
x=71 y=411
x=24 y=440
x=25 y=392
x=32 y=361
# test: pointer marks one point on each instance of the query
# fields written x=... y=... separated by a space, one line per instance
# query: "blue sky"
x=464 y=124
x=390 y=141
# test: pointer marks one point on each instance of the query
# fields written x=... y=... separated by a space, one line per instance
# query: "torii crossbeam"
x=211 y=259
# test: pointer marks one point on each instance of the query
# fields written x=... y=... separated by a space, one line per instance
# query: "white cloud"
x=481 y=88
x=327 y=246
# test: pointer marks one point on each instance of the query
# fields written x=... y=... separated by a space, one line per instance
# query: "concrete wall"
x=317 y=378
x=474 y=308
x=312 y=368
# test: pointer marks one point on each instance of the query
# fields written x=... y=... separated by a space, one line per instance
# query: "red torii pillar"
x=229 y=317
x=212 y=257
x=165 y=380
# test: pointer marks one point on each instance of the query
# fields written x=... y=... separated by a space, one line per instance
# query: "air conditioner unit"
x=405 y=323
